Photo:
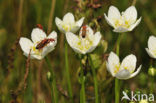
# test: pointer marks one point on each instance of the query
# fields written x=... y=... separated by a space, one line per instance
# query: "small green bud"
x=152 y=71
x=49 y=77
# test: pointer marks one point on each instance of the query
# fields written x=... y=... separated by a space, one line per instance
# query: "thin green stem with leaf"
x=68 y=73
x=117 y=87
x=95 y=80
x=82 y=81
x=54 y=91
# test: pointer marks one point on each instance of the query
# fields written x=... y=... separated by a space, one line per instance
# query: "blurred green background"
x=12 y=61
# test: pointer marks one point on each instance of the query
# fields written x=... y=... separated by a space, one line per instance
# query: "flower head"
x=68 y=24
x=40 y=45
x=86 y=42
x=151 y=50
x=126 y=69
x=122 y=22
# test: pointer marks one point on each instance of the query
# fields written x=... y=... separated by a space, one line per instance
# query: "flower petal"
x=25 y=44
x=80 y=22
x=135 y=73
x=110 y=22
x=38 y=35
x=129 y=63
x=97 y=38
x=47 y=50
x=53 y=35
x=72 y=39
x=69 y=18
x=120 y=29
x=113 y=62
x=113 y=13
x=123 y=74
x=59 y=24
x=152 y=43
x=131 y=14
x=135 y=24
x=150 y=53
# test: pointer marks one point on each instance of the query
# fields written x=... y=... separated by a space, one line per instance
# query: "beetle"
x=43 y=43
x=84 y=29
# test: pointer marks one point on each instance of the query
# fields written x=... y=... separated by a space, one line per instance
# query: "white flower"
x=151 y=50
x=86 y=42
x=126 y=21
x=38 y=50
x=68 y=24
x=126 y=69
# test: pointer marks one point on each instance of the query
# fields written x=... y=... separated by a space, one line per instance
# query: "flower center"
x=67 y=27
x=123 y=22
x=84 y=44
x=36 y=51
x=117 y=67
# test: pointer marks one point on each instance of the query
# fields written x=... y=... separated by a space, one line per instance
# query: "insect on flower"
x=43 y=43
x=39 y=26
x=84 y=29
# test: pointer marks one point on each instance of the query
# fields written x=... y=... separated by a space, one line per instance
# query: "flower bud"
x=49 y=76
x=152 y=71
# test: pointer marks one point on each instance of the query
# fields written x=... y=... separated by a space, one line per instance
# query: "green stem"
x=95 y=81
x=82 y=79
x=117 y=87
x=67 y=73
x=54 y=91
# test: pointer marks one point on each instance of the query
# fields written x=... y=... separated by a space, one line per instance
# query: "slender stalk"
x=95 y=80
x=117 y=87
x=67 y=73
x=82 y=80
x=50 y=22
x=53 y=82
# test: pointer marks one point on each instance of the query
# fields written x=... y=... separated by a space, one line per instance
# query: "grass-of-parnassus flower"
x=123 y=70
x=151 y=50
x=68 y=24
x=122 y=22
x=40 y=45
x=85 y=42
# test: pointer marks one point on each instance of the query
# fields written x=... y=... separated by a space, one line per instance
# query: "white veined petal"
x=59 y=24
x=72 y=40
x=97 y=38
x=69 y=18
x=130 y=13
x=135 y=24
x=123 y=74
x=47 y=50
x=129 y=63
x=150 y=53
x=74 y=29
x=58 y=21
x=90 y=49
x=135 y=73
x=120 y=29
x=37 y=35
x=39 y=57
x=113 y=13
x=53 y=35
x=80 y=22
x=113 y=62
x=110 y=22
x=152 y=43
x=25 y=44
